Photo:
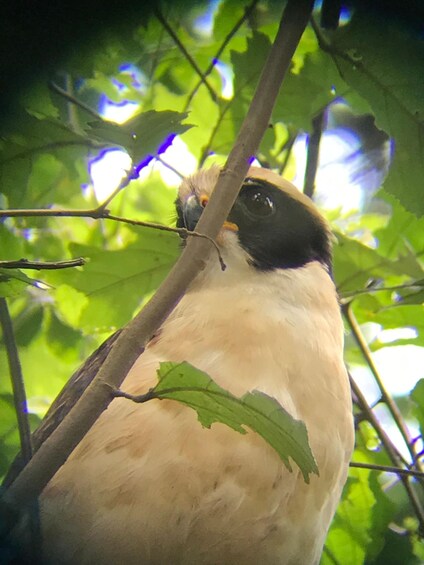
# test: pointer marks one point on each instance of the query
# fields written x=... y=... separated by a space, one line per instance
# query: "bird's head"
x=272 y=225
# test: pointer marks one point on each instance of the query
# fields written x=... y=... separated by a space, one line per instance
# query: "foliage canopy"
x=55 y=139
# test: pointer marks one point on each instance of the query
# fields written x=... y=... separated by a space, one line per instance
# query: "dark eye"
x=259 y=204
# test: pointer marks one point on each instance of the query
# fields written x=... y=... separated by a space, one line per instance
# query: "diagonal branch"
x=186 y=54
x=248 y=10
x=387 y=399
x=132 y=340
x=21 y=410
x=17 y=379
x=70 y=98
x=391 y=450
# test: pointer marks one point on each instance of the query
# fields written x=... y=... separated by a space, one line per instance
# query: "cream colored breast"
x=149 y=485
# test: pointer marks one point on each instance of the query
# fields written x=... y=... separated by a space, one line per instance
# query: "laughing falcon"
x=148 y=484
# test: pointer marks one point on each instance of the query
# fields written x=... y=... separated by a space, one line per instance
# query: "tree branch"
x=21 y=410
x=131 y=342
x=387 y=399
x=387 y=469
x=99 y=213
x=353 y=293
x=313 y=154
x=391 y=450
x=16 y=377
x=42 y=265
x=70 y=98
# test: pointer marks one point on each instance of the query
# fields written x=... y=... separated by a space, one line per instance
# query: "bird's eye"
x=259 y=204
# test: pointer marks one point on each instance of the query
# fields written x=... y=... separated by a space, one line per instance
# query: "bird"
x=148 y=484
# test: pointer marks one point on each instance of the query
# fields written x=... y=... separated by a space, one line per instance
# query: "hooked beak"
x=190 y=211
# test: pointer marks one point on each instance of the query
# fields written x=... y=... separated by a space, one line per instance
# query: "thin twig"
x=248 y=10
x=313 y=153
x=386 y=397
x=125 y=181
x=287 y=147
x=71 y=107
x=354 y=293
x=56 y=88
x=138 y=398
x=182 y=232
x=42 y=265
x=207 y=148
x=388 y=469
x=17 y=380
x=131 y=341
x=96 y=214
x=186 y=54
x=168 y=166
x=21 y=410
x=391 y=450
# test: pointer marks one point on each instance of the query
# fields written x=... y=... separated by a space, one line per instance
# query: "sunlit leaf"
x=13 y=282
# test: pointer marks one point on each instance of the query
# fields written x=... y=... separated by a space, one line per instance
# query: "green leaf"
x=383 y=62
x=115 y=282
x=355 y=263
x=142 y=135
x=256 y=410
x=13 y=282
x=306 y=91
x=350 y=532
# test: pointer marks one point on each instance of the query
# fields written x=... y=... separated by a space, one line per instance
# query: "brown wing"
x=66 y=399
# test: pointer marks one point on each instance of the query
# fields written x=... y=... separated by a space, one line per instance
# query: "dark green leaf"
x=142 y=135
x=383 y=62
